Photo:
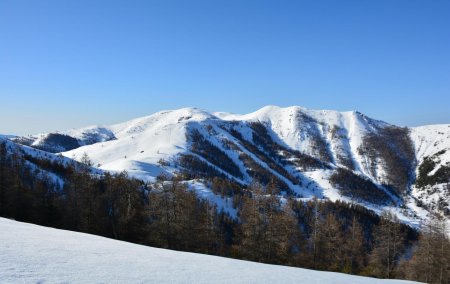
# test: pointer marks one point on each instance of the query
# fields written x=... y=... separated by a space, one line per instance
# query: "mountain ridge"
x=330 y=154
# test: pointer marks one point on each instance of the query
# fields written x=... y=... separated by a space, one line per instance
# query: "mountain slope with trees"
x=168 y=213
x=332 y=155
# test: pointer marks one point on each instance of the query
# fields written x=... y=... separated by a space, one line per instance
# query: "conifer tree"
x=332 y=234
x=316 y=239
x=354 y=247
x=388 y=246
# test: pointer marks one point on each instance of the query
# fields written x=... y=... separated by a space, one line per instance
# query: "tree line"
x=315 y=234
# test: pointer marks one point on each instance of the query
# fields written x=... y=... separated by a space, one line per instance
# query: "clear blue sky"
x=74 y=63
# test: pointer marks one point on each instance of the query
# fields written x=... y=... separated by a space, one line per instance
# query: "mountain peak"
x=300 y=148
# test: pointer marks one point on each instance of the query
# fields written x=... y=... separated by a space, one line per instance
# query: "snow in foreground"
x=35 y=254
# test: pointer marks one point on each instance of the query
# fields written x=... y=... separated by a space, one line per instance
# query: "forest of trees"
x=315 y=234
x=358 y=188
x=396 y=151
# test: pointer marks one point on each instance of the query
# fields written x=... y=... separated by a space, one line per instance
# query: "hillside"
x=34 y=254
x=332 y=155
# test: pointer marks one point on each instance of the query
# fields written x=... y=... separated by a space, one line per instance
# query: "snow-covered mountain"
x=35 y=254
x=306 y=153
x=42 y=163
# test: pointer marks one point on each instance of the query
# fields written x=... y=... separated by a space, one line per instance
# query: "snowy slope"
x=433 y=143
x=299 y=128
x=142 y=142
x=34 y=254
x=67 y=140
x=431 y=139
